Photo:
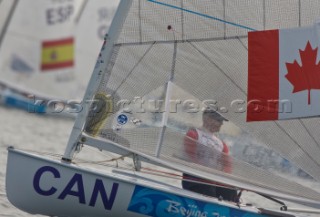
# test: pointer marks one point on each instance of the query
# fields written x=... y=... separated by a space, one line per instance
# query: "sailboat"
x=37 y=74
x=162 y=63
x=52 y=80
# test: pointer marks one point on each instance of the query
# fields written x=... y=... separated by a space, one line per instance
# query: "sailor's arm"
x=190 y=145
x=226 y=159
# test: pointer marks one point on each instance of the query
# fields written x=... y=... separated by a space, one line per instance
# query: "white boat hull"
x=41 y=186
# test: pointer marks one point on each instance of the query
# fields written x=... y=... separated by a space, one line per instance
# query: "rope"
x=41 y=153
x=180 y=177
x=102 y=161
x=107 y=154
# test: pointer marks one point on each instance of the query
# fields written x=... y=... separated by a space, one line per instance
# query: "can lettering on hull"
x=75 y=188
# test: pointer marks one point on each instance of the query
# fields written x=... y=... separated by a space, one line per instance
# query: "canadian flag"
x=284 y=74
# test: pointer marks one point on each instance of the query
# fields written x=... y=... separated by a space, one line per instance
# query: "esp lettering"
x=59 y=15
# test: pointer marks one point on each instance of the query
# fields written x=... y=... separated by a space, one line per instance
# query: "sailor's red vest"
x=205 y=148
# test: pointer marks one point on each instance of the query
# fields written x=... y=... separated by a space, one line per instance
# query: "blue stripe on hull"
x=156 y=203
x=24 y=105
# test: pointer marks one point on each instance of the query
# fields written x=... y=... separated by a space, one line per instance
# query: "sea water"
x=32 y=132
x=49 y=134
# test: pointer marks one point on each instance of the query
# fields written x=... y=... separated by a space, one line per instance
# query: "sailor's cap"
x=214 y=114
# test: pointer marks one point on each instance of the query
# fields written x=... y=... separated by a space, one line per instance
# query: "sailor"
x=202 y=146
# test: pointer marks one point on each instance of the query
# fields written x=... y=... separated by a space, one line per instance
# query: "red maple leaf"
x=307 y=76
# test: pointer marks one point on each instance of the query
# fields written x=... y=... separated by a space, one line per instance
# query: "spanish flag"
x=57 y=54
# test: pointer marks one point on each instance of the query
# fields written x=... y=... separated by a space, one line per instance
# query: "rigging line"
x=202 y=15
x=220 y=69
x=305 y=127
x=108 y=154
x=101 y=161
x=134 y=67
x=103 y=165
x=181 y=41
x=41 y=153
x=161 y=171
x=175 y=176
x=281 y=128
x=241 y=42
x=179 y=178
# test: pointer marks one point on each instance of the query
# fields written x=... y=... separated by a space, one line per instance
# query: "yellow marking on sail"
x=100 y=110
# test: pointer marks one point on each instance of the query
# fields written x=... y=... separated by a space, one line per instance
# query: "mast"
x=103 y=60
x=80 y=13
x=8 y=19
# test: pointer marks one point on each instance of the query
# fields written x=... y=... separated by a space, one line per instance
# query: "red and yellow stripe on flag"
x=57 y=54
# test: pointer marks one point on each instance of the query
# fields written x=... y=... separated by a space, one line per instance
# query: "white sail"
x=37 y=52
x=201 y=48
